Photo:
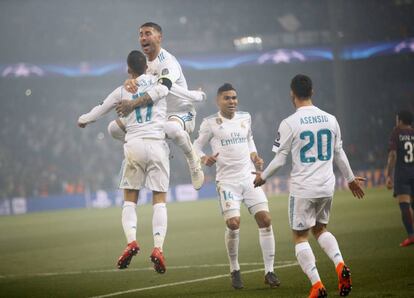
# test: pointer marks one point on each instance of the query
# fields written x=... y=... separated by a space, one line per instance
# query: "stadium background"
x=59 y=59
x=80 y=49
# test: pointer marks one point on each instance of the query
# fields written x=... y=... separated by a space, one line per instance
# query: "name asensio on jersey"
x=235 y=139
x=314 y=119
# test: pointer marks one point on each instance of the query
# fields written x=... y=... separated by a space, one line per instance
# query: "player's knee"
x=300 y=236
x=318 y=229
x=115 y=131
x=233 y=223
x=173 y=129
x=263 y=219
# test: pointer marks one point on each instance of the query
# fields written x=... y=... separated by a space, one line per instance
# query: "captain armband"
x=166 y=82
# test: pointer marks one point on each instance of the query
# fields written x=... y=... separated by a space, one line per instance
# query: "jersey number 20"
x=308 y=135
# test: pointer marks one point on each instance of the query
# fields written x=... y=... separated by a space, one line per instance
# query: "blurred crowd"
x=43 y=152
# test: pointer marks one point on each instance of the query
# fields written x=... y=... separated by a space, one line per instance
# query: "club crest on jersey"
x=219 y=121
x=243 y=125
x=164 y=72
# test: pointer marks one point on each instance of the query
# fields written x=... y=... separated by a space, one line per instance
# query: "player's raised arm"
x=98 y=111
x=191 y=95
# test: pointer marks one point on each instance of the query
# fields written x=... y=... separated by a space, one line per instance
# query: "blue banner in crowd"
x=218 y=61
x=179 y=193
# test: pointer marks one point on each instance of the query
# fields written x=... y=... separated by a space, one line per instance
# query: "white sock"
x=330 y=246
x=306 y=259
x=231 y=239
x=267 y=243
x=159 y=224
x=129 y=221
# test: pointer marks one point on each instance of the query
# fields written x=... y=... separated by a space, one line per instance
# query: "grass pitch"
x=73 y=253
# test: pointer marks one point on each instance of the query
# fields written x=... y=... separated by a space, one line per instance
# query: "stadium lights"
x=247 y=43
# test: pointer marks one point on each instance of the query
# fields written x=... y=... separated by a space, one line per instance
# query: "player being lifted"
x=180 y=111
x=146 y=154
x=401 y=158
x=235 y=155
x=314 y=139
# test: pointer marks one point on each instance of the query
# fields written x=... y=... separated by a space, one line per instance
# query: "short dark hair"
x=405 y=117
x=152 y=25
x=137 y=62
x=301 y=85
x=225 y=87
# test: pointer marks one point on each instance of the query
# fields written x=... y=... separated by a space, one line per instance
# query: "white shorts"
x=146 y=164
x=305 y=213
x=186 y=119
x=231 y=195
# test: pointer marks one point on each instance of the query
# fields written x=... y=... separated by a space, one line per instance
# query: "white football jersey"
x=143 y=122
x=313 y=137
x=233 y=140
x=166 y=65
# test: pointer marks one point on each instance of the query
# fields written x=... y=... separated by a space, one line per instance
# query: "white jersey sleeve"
x=250 y=141
x=282 y=146
x=204 y=136
x=192 y=95
x=340 y=158
x=166 y=65
x=157 y=92
x=107 y=105
x=169 y=67
x=160 y=91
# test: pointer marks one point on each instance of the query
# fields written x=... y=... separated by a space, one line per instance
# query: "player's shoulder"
x=145 y=82
x=146 y=79
x=166 y=62
x=329 y=115
x=243 y=115
x=118 y=91
x=213 y=120
x=164 y=56
x=291 y=118
x=398 y=131
x=211 y=117
x=310 y=114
